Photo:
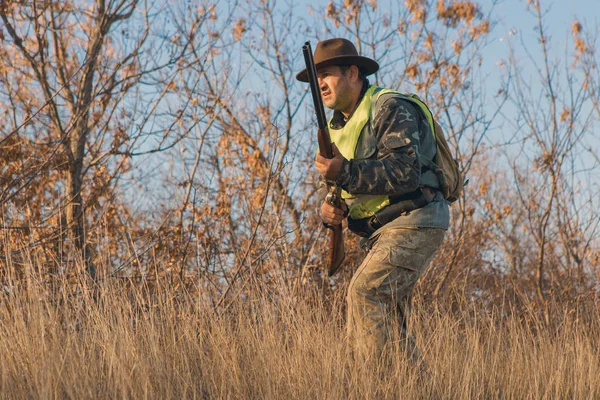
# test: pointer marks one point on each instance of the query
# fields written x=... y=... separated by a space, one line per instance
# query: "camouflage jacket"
x=387 y=158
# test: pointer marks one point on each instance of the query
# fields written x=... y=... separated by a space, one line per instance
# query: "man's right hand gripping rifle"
x=334 y=210
x=329 y=162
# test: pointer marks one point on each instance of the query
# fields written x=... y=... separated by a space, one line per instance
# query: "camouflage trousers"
x=380 y=291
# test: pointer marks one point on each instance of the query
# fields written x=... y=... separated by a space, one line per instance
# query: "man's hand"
x=329 y=168
x=332 y=215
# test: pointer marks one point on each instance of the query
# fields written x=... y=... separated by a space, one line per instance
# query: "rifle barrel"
x=314 y=85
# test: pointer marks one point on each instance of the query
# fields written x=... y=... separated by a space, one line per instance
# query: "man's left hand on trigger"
x=329 y=168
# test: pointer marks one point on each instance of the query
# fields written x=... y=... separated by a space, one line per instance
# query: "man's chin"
x=329 y=104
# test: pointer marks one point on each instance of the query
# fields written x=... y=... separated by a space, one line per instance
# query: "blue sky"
x=560 y=14
x=514 y=21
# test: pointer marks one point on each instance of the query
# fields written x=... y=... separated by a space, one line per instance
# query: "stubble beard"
x=336 y=101
x=340 y=97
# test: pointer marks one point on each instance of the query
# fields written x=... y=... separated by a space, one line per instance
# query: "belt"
x=398 y=206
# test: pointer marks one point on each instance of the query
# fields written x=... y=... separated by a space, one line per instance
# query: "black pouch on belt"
x=400 y=206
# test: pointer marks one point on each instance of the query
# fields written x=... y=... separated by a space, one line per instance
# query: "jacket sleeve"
x=396 y=169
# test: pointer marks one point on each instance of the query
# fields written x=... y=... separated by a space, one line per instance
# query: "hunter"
x=382 y=140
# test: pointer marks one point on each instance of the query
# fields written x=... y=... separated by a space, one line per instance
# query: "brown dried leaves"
x=580 y=46
x=239 y=29
x=457 y=11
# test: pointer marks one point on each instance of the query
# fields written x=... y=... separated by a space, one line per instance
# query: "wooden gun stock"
x=336 y=240
x=337 y=253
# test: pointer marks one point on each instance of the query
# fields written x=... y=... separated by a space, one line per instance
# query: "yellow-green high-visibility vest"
x=346 y=139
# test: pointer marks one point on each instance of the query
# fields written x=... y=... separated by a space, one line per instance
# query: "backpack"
x=444 y=165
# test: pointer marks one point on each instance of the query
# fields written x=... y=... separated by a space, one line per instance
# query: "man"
x=383 y=145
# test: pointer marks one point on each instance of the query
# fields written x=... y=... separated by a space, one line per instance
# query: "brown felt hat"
x=339 y=52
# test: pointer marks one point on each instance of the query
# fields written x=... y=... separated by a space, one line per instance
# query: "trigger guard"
x=331 y=199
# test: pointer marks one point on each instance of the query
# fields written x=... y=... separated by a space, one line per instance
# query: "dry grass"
x=130 y=342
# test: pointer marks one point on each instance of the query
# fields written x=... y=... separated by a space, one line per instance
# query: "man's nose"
x=322 y=84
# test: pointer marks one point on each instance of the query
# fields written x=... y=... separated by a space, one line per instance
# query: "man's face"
x=336 y=89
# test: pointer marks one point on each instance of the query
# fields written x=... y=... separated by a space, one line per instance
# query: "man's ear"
x=353 y=73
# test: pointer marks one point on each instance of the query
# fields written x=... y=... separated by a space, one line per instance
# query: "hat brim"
x=367 y=65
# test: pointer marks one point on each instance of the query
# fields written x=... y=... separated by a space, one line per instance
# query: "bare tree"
x=71 y=75
x=554 y=118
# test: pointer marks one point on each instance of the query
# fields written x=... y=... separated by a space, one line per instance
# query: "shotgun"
x=336 y=238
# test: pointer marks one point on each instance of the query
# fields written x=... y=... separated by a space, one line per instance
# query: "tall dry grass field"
x=62 y=339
